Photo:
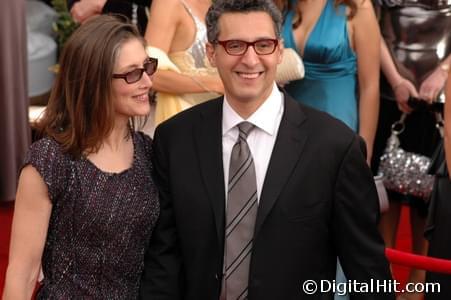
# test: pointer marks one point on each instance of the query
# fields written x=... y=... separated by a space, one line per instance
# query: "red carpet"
x=6 y=212
x=404 y=243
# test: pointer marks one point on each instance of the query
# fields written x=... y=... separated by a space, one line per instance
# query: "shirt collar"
x=265 y=117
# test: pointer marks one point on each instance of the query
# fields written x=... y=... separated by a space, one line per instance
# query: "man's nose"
x=250 y=57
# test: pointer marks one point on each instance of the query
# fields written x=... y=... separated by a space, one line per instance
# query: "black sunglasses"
x=149 y=66
x=238 y=47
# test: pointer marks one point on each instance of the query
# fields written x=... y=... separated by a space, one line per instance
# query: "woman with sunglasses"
x=177 y=36
x=86 y=203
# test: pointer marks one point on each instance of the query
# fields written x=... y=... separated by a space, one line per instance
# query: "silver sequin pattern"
x=197 y=49
x=405 y=172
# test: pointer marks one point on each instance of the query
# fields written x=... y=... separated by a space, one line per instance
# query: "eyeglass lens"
x=149 y=67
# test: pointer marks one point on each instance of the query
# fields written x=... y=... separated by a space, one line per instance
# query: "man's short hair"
x=220 y=7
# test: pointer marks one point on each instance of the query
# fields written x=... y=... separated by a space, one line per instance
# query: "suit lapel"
x=208 y=137
x=289 y=144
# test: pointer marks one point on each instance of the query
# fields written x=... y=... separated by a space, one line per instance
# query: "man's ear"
x=210 y=48
x=280 y=50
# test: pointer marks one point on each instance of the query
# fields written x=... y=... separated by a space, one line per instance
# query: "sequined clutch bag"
x=405 y=172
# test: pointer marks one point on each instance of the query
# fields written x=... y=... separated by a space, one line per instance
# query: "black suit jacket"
x=318 y=202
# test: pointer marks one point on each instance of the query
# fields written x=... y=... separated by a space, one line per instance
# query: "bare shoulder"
x=31 y=177
x=32 y=189
x=164 y=18
x=365 y=15
x=364 y=6
x=167 y=8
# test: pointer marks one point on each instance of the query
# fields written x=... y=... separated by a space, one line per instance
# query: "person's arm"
x=366 y=42
x=354 y=222
x=435 y=82
x=29 y=230
x=162 y=275
x=171 y=82
x=447 y=137
x=83 y=9
x=164 y=19
x=402 y=87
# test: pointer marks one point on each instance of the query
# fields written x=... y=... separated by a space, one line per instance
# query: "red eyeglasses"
x=238 y=47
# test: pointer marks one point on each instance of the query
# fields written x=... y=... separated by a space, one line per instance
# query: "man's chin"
x=243 y=97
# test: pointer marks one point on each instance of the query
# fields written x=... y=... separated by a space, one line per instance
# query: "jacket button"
x=216 y=276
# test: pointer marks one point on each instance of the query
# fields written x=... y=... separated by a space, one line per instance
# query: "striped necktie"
x=241 y=213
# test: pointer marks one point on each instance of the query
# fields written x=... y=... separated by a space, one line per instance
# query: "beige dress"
x=14 y=128
x=192 y=61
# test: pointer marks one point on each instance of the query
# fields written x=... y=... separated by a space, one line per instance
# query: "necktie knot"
x=245 y=128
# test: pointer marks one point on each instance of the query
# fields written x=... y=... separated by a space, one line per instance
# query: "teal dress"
x=330 y=82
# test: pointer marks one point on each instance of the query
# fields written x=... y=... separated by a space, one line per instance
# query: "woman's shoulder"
x=47 y=147
x=364 y=4
x=167 y=6
x=48 y=158
x=47 y=153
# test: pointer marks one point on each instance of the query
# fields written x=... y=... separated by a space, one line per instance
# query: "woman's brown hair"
x=286 y=5
x=80 y=112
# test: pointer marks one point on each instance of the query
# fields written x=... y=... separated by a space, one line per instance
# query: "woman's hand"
x=403 y=90
x=434 y=83
x=83 y=9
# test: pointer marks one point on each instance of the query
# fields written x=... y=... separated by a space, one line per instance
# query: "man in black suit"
x=308 y=193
